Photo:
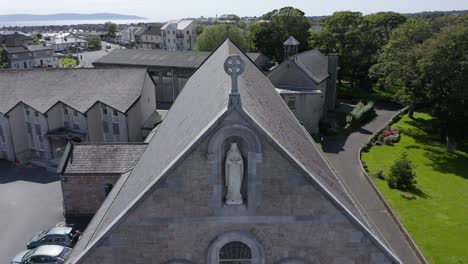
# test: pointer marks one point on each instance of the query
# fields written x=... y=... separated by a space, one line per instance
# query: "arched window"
x=235 y=253
x=235 y=247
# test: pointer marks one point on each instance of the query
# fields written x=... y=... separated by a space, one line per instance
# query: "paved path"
x=343 y=154
x=30 y=201
x=87 y=58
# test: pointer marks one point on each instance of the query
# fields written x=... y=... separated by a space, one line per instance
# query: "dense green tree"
x=341 y=33
x=275 y=27
x=4 y=61
x=357 y=39
x=444 y=66
x=397 y=61
x=111 y=29
x=213 y=36
x=94 y=43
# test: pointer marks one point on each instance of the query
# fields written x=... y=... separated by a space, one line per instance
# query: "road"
x=30 y=201
x=87 y=58
x=342 y=151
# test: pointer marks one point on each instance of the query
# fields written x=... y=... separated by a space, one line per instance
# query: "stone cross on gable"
x=234 y=66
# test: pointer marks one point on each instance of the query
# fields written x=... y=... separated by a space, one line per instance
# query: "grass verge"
x=436 y=214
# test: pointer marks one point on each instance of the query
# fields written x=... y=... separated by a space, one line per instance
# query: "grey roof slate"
x=189 y=120
x=17 y=49
x=154 y=29
x=315 y=63
x=304 y=70
x=78 y=88
x=291 y=41
x=39 y=47
x=102 y=158
x=161 y=58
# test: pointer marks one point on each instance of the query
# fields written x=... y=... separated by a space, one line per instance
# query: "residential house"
x=179 y=35
x=44 y=56
x=131 y=35
x=43 y=109
x=15 y=40
x=151 y=37
x=307 y=83
x=20 y=57
x=32 y=56
x=65 y=44
x=230 y=179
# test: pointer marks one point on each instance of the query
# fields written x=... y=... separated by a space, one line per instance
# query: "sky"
x=158 y=10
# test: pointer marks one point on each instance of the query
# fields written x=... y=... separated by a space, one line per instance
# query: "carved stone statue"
x=234 y=172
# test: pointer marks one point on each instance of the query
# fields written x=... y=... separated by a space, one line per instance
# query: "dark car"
x=47 y=254
x=59 y=235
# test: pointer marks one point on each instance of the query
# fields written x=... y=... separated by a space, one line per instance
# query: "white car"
x=47 y=254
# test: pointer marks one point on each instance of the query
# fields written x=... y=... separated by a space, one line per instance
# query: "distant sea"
x=65 y=22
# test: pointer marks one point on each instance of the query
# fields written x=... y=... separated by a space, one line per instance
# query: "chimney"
x=333 y=72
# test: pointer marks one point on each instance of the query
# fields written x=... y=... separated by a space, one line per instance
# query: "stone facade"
x=83 y=194
x=287 y=216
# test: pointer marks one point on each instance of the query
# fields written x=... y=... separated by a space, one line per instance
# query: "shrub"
x=364 y=165
x=361 y=114
x=379 y=174
x=402 y=175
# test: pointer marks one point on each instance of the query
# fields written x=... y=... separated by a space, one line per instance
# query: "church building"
x=230 y=176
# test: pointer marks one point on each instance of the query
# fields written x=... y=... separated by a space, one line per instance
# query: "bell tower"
x=291 y=47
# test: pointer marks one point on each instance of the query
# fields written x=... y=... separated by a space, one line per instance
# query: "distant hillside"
x=427 y=14
x=68 y=16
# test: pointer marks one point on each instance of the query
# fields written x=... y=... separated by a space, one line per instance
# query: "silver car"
x=59 y=235
x=48 y=254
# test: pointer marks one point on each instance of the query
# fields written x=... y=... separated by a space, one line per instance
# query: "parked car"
x=47 y=254
x=108 y=46
x=59 y=235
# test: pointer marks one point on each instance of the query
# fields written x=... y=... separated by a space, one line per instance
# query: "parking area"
x=30 y=201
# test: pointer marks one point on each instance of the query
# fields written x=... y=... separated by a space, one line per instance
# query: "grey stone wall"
x=292 y=219
x=83 y=194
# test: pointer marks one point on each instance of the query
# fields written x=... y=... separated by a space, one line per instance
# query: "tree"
x=396 y=63
x=358 y=40
x=111 y=29
x=213 y=36
x=94 y=43
x=444 y=66
x=401 y=175
x=341 y=33
x=4 y=61
x=268 y=37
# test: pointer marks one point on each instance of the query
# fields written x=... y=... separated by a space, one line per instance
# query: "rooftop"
x=102 y=158
x=177 y=24
x=162 y=58
x=78 y=88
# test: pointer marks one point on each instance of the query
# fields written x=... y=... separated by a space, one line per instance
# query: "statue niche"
x=234 y=173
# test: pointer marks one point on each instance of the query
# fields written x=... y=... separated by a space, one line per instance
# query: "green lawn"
x=436 y=215
x=68 y=62
x=345 y=91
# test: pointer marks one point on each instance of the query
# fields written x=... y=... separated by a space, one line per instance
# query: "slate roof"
x=291 y=41
x=78 y=88
x=18 y=49
x=102 y=158
x=177 y=24
x=154 y=30
x=39 y=47
x=15 y=39
x=191 y=117
x=312 y=63
x=154 y=57
x=161 y=58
